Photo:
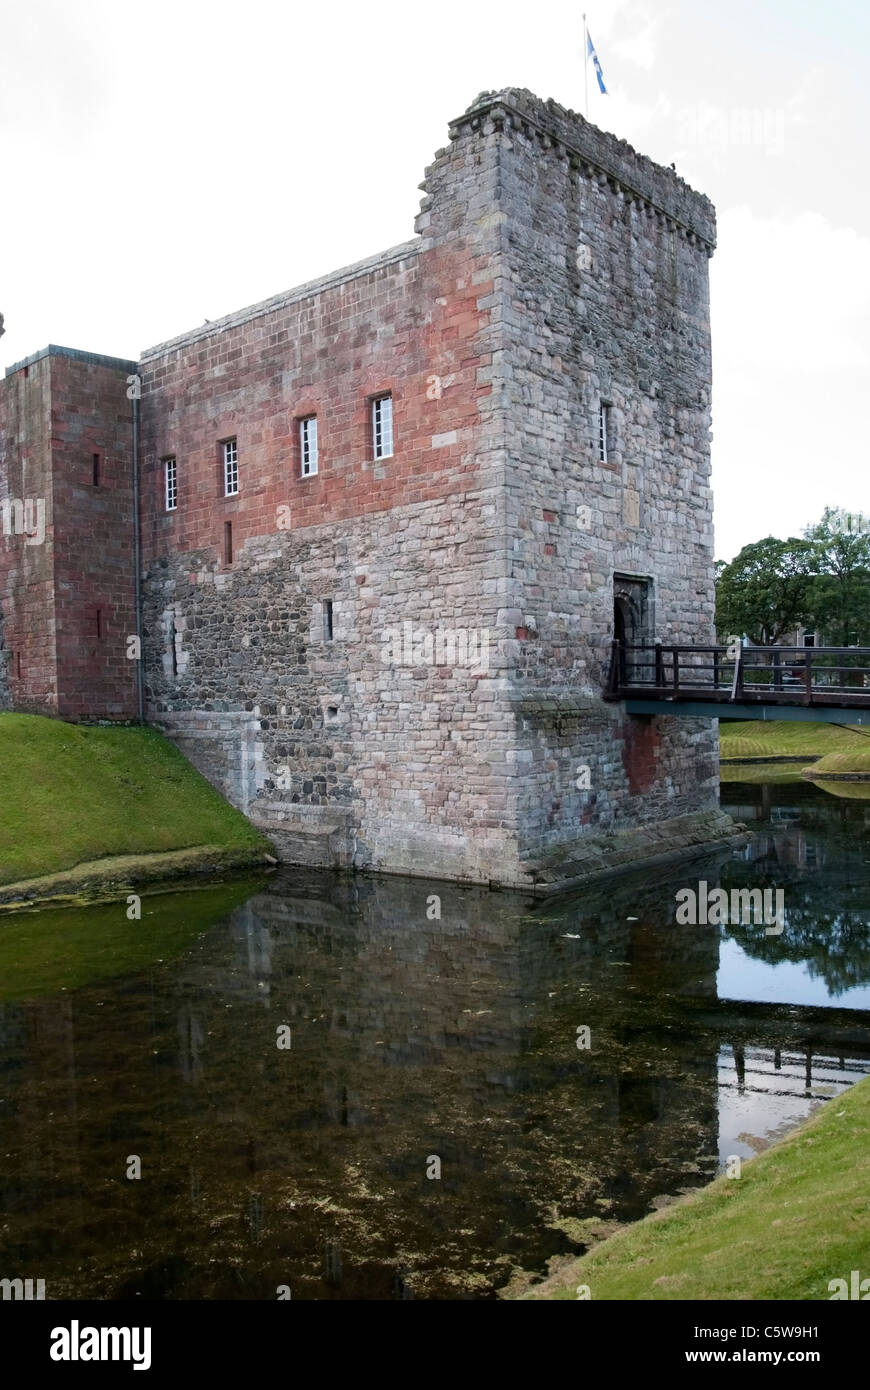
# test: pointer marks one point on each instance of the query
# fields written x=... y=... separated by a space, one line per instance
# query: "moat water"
x=416 y=1043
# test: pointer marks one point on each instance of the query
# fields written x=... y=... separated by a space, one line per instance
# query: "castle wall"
x=93 y=537
x=347 y=749
x=68 y=554
x=27 y=627
x=5 y=658
x=607 y=256
x=397 y=662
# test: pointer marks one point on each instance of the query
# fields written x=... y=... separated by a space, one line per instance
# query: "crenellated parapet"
x=597 y=155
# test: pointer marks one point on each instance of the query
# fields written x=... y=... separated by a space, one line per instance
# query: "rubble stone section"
x=396 y=663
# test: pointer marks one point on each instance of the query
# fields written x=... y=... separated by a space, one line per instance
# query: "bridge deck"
x=709 y=709
x=750 y=684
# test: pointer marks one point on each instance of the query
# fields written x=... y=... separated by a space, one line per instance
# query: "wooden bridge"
x=825 y=684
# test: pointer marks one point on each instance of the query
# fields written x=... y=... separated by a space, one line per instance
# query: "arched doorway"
x=632 y=619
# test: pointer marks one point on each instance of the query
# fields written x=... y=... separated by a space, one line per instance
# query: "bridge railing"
x=776 y=675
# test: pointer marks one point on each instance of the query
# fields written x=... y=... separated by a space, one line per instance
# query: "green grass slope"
x=798 y=1217
x=856 y=760
x=71 y=793
x=758 y=738
x=776 y=773
x=43 y=952
x=850 y=791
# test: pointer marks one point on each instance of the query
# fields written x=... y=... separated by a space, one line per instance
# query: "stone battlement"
x=656 y=189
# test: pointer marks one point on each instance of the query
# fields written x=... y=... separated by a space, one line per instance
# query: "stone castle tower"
x=389 y=522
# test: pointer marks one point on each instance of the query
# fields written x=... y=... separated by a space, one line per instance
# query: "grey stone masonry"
x=606 y=257
x=397 y=664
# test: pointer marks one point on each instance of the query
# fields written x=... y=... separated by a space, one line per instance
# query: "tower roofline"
x=97 y=359
x=657 y=189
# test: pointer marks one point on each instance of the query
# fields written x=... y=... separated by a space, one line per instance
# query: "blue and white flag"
x=590 y=49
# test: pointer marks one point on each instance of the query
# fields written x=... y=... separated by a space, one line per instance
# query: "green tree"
x=765 y=591
x=840 y=591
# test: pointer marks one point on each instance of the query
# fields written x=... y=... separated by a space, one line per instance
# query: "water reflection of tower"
x=787 y=844
x=251 y=933
x=666 y=1095
x=43 y=1035
x=190 y=1041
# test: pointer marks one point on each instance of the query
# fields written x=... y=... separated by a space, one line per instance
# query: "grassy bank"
x=74 y=794
x=852 y=791
x=757 y=738
x=798 y=1216
x=778 y=773
x=42 y=952
x=854 y=763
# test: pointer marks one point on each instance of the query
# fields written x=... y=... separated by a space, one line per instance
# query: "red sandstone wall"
x=93 y=539
x=27 y=569
x=390 y=328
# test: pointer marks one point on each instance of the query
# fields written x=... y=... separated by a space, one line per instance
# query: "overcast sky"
x=170 y=162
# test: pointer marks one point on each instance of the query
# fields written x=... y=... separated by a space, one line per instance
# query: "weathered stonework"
x=397 y=663
x=67 y=596
x=5 y=692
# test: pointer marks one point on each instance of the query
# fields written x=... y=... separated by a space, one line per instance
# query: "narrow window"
x=18 y=664
x=308 y=445
x=228 y=542
x=603 y=432
x=99 y=625
x=382 y=427
x=327 y=620
x=170 y=471
x=96 y=462
x=231 y=467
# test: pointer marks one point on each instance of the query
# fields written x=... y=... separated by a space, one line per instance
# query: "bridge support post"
x=808 y=677
x=737 y=684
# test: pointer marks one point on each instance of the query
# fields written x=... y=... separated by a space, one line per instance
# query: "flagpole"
x=585 y=68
